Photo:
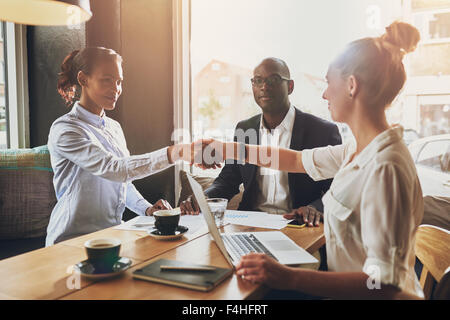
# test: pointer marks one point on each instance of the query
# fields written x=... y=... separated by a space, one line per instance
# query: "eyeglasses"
x=271 y=81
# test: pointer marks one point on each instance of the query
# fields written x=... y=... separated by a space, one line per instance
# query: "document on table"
x=255 y=219
x=195 y=222
x=143 y=223
x=140 y=223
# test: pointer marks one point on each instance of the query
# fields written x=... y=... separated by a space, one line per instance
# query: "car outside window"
x=434 y=155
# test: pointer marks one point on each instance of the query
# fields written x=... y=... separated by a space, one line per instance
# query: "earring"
x=351 y=96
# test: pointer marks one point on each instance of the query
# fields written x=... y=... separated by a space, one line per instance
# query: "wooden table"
x=47 y=273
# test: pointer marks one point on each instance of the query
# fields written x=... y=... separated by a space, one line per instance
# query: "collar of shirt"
x=380 y=142
x=89 y=117
x=287 y=124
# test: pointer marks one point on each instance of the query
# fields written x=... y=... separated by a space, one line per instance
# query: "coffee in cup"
x=166 y=221
x=103 y=253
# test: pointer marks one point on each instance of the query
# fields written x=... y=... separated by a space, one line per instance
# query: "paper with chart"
x=195 y=222
x=255 y=219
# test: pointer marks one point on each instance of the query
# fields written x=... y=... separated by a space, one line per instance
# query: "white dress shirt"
x=93 y=171
x=274 y=196
x=372 y=209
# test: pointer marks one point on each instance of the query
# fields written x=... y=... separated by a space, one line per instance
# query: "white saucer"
x=155 y=233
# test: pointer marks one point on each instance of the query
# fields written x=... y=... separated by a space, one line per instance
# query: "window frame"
x=182 y=89
x=16 y=86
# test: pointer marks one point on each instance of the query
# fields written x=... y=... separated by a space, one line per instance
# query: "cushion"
x=27 y=196
x=205 y=182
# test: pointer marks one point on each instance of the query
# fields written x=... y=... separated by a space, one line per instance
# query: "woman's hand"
x=189 y=206
x=308 y=215
x=204 y=153
x=159 y=205
x=260 y=268
x=209 y=153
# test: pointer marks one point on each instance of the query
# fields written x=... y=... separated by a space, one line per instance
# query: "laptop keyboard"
x=242 y=244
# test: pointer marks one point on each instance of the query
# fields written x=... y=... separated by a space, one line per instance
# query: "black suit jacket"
x=308 y=132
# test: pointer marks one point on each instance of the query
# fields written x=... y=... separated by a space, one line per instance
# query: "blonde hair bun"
x=402 y=35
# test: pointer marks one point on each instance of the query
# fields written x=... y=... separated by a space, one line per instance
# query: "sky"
x=307 y=34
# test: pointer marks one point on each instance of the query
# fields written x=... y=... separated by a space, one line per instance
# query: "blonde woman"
x=375 y=203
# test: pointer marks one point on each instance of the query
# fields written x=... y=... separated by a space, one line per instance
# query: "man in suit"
x=283 y=125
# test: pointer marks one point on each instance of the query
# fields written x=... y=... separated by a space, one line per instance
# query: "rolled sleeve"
x=387 y=225
x=308 y=164
x=388 y=272
x=324 y=162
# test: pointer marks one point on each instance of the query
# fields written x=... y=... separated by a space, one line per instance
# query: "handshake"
x=204 y=153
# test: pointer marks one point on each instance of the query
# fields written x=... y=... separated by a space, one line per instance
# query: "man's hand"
x=159 y=205
x=208 y=153
x=189 y=206
x=308 y=215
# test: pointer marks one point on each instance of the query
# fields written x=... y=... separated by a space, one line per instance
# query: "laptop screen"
x=204 y=207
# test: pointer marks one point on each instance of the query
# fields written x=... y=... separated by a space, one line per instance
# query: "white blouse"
x=372 y=209
x=93 y=171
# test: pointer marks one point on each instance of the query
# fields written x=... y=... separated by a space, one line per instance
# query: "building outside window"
x=434 y=24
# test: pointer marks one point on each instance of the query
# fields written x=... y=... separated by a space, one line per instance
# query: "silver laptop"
x=234 y=245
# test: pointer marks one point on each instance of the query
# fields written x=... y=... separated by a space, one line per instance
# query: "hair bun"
x=402 y=35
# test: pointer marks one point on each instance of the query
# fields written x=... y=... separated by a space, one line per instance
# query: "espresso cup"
x=166 y=221
x=103 y=253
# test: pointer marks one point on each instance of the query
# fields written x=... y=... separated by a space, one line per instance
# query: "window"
x=440 y=26
x=14 y=124
x=291 y=35
x=3 y=127
x=435 y=119
x=222 y=56
x=203 y=101
x=225 y=101
x=435 y=25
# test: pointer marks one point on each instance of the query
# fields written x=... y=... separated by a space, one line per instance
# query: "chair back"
x=433 y=250
x=442 y=290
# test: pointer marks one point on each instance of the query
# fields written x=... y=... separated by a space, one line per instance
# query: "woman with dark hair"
x=93 y=169
x=374 y=205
